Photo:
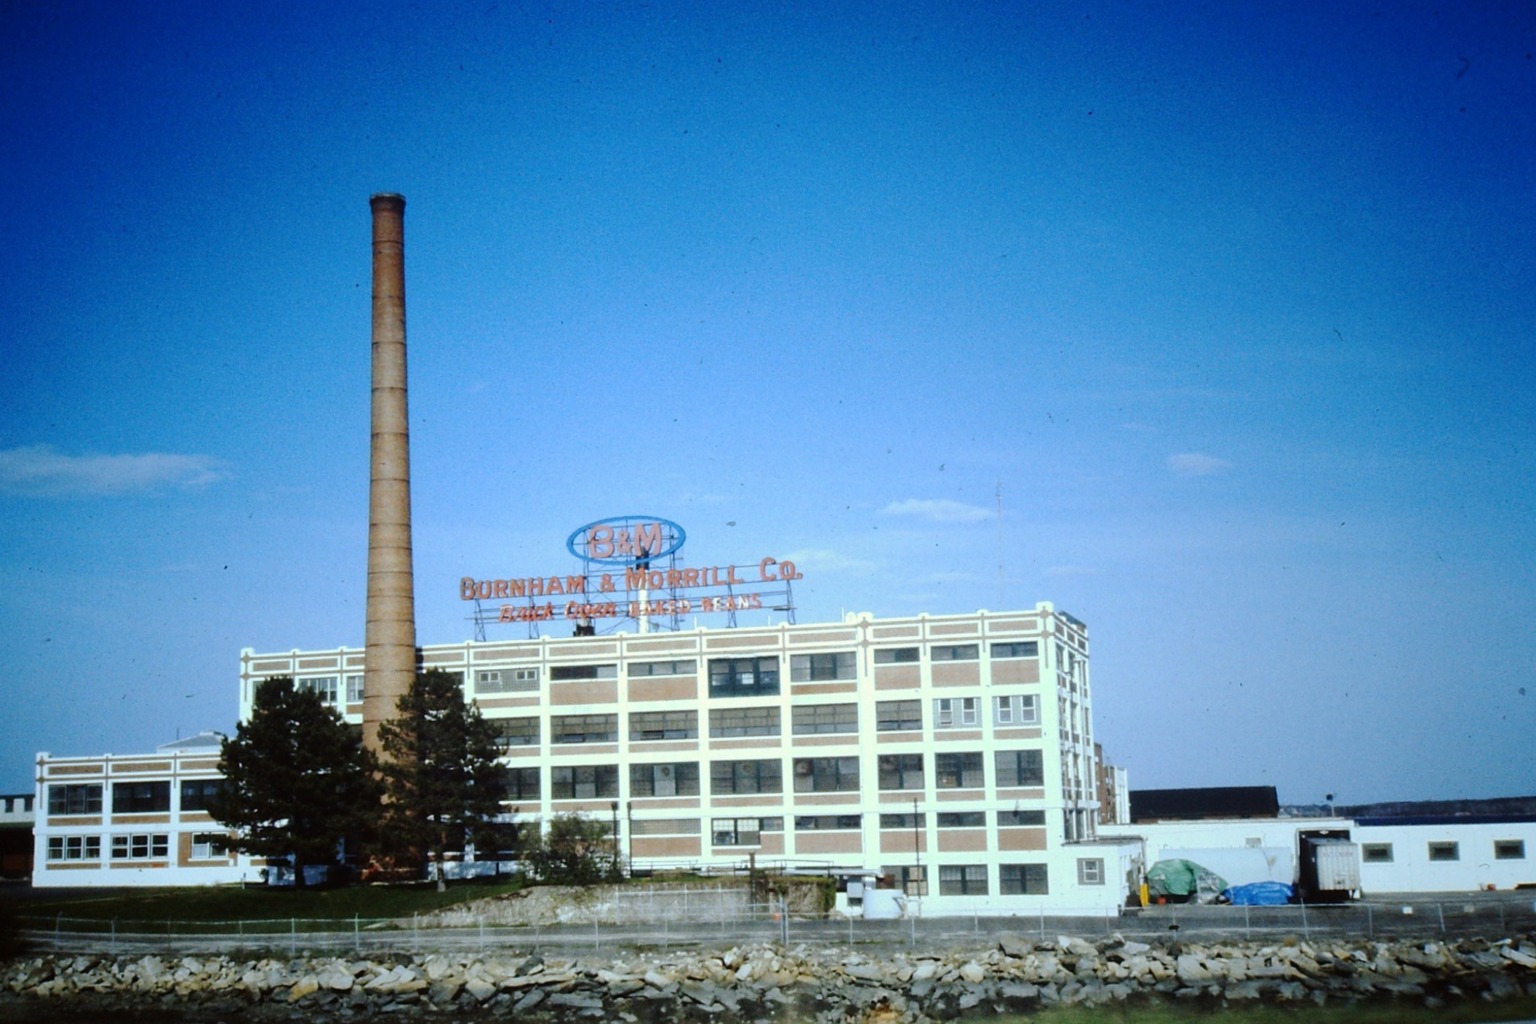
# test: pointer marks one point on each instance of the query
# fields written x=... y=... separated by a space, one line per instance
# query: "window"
x=663 y=725
x=962 y=880
x=909 y=878
x=810 y=668
x=516 y=732
x=354 y=689
x=679 y=779
x=665 y=827
x=899 y=716
x=742 y=831
x=950 y=712
x=962 y=819
x=744 y=722
x=958 y=771
x=896 y=656
x=208 y=845
x=74 y=847
x=325 y=686
x=824 y=718
x=1016 y=709
x=76 y=798
x=141 y=847
x=746 y=777
x=826 y=774
x=521 y=783
x=1090 y=871
x=584 y=729
x=901 y=771
x=904 y=821
x=1020 y=768
x=1016 y=649
x=1509 y=849
x=1376 y=853
x=567 y=673
x=828 y=822
x=1023 y=880
x=1005 y=818
x=743 y=677
x=195 y=793
x=687 y=667
x=955 y=652
x=1445 y=851
x=584 y=781
x=507 y=680
x=141 y=797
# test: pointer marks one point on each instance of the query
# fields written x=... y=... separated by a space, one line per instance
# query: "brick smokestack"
x=390 y=635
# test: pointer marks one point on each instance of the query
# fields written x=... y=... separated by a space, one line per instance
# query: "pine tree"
x=298 y=779
x=445 y=783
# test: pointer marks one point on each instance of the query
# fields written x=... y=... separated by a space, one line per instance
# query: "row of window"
x=727 y=676
x=150 y=797
x=135 y=846
x=1503 y=849
x=1010 y=768
x=808 y=720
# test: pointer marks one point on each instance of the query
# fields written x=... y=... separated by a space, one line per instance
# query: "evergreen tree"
x=446 y=784
x=298 y=779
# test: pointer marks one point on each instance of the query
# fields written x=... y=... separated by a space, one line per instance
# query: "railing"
x=707 y=918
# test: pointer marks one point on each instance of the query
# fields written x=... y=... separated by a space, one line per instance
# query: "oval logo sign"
x=626 y=540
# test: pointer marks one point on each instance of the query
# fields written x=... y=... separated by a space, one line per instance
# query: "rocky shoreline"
x=762 y=982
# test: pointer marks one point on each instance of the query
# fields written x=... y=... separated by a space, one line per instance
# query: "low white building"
x=133 y=819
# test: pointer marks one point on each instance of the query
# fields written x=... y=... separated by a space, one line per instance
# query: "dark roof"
x=1207 y=802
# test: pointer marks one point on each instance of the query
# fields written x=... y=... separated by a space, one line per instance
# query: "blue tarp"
x=1259 y=894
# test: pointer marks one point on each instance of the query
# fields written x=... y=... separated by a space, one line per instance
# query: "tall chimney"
x=390 y=635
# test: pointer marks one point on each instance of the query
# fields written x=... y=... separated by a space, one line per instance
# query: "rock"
x=1011 y=944
x=533 y=997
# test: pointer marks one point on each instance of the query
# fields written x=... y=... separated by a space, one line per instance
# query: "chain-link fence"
x=716 y=918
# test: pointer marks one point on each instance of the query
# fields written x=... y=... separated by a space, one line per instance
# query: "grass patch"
x=211 y=905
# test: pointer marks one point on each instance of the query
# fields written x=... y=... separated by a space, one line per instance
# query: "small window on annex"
x=1509 y=849
x=1090 y=871
x=811 y=668
x=141 y=797
x=1376 y=853
x=677 y=779
x=1445 y=851
x=730 y=777
x=899 y=716
x=74 y=798
x=744 y=677
x=195 y=793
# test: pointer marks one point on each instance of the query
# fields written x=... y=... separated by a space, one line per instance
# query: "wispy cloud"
x=824 y=560
x=1188 y=464
x=938 y=510
x=42 y=471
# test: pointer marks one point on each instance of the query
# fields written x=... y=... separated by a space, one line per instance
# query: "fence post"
x=1440 y=909
x=1370 y=924
x=293 y=936
x=1247 y=922
x=114 y=935
x=357 y=933
x=1304 y=930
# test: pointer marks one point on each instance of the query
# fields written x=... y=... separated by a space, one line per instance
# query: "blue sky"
x=1232 y=301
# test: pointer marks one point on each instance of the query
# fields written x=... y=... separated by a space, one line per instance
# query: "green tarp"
x=1184 y=878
